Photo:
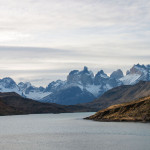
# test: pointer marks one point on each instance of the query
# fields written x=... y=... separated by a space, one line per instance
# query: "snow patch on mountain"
x=36 y=95
x=94 y=89
x=8 y=85
x=137 y=73
x=130 y=79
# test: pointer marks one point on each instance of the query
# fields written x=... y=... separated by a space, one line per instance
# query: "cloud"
x=39 y=38
x=43 y=65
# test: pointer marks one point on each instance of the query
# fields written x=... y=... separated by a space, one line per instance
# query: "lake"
x=69 y=131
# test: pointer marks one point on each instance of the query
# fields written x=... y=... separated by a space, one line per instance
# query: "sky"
x=43 y=40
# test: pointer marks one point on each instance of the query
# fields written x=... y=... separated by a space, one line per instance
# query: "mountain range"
x=79 y=87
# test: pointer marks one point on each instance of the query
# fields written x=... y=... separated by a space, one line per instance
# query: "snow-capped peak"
x=86 y=71
x=8 y=83
x=137 y=72
x=24 y=86
x=83 y=77
x=117 y=74
x=102 y=74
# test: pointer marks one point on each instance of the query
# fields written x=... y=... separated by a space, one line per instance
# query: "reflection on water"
x=69 y=131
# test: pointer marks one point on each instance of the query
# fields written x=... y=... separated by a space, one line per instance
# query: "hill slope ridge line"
x=137 y=110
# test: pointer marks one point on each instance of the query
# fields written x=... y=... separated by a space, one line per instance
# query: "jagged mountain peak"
x=24 y=84
x=81 y=77
x=101 y=74
x=138 y=69
x=101 y=78
x=137 y=73
x=74 y=72
x=85 y=70
x=55 y=85
x=140 y=66
x=8 y=82
x=117 y=74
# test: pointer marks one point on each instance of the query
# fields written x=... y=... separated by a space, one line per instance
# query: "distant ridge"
x=13 y=104
x=121 y=94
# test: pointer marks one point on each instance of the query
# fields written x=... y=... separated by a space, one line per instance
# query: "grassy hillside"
x=138 y=110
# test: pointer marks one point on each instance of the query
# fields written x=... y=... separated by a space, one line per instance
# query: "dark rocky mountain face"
x=73 y=76
x=117 y=74
x=101 y=78
x=24 y=86
x=55 y=86
x=8 y=83
x=69 y=96
x=83 y=77
x=34 y=89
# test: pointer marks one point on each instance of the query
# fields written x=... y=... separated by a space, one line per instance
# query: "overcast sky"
x=42 y=40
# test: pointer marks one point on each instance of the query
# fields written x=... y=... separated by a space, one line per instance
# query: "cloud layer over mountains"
x=45 y=39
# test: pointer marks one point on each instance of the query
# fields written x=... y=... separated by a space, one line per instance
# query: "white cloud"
x=98 y=33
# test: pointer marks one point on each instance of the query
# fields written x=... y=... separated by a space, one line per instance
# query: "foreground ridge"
x=138 y=110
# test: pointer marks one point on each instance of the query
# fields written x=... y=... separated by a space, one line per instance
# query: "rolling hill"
x=13 y=104
x=138 y=110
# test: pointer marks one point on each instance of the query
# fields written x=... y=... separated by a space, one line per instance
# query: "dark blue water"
x=70 y=132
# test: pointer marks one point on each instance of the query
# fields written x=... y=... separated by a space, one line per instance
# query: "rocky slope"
x=121 y=94
x=12 y=104
x=138 y=110
x=81 y=87
x=70 y=96
x=137 y=73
